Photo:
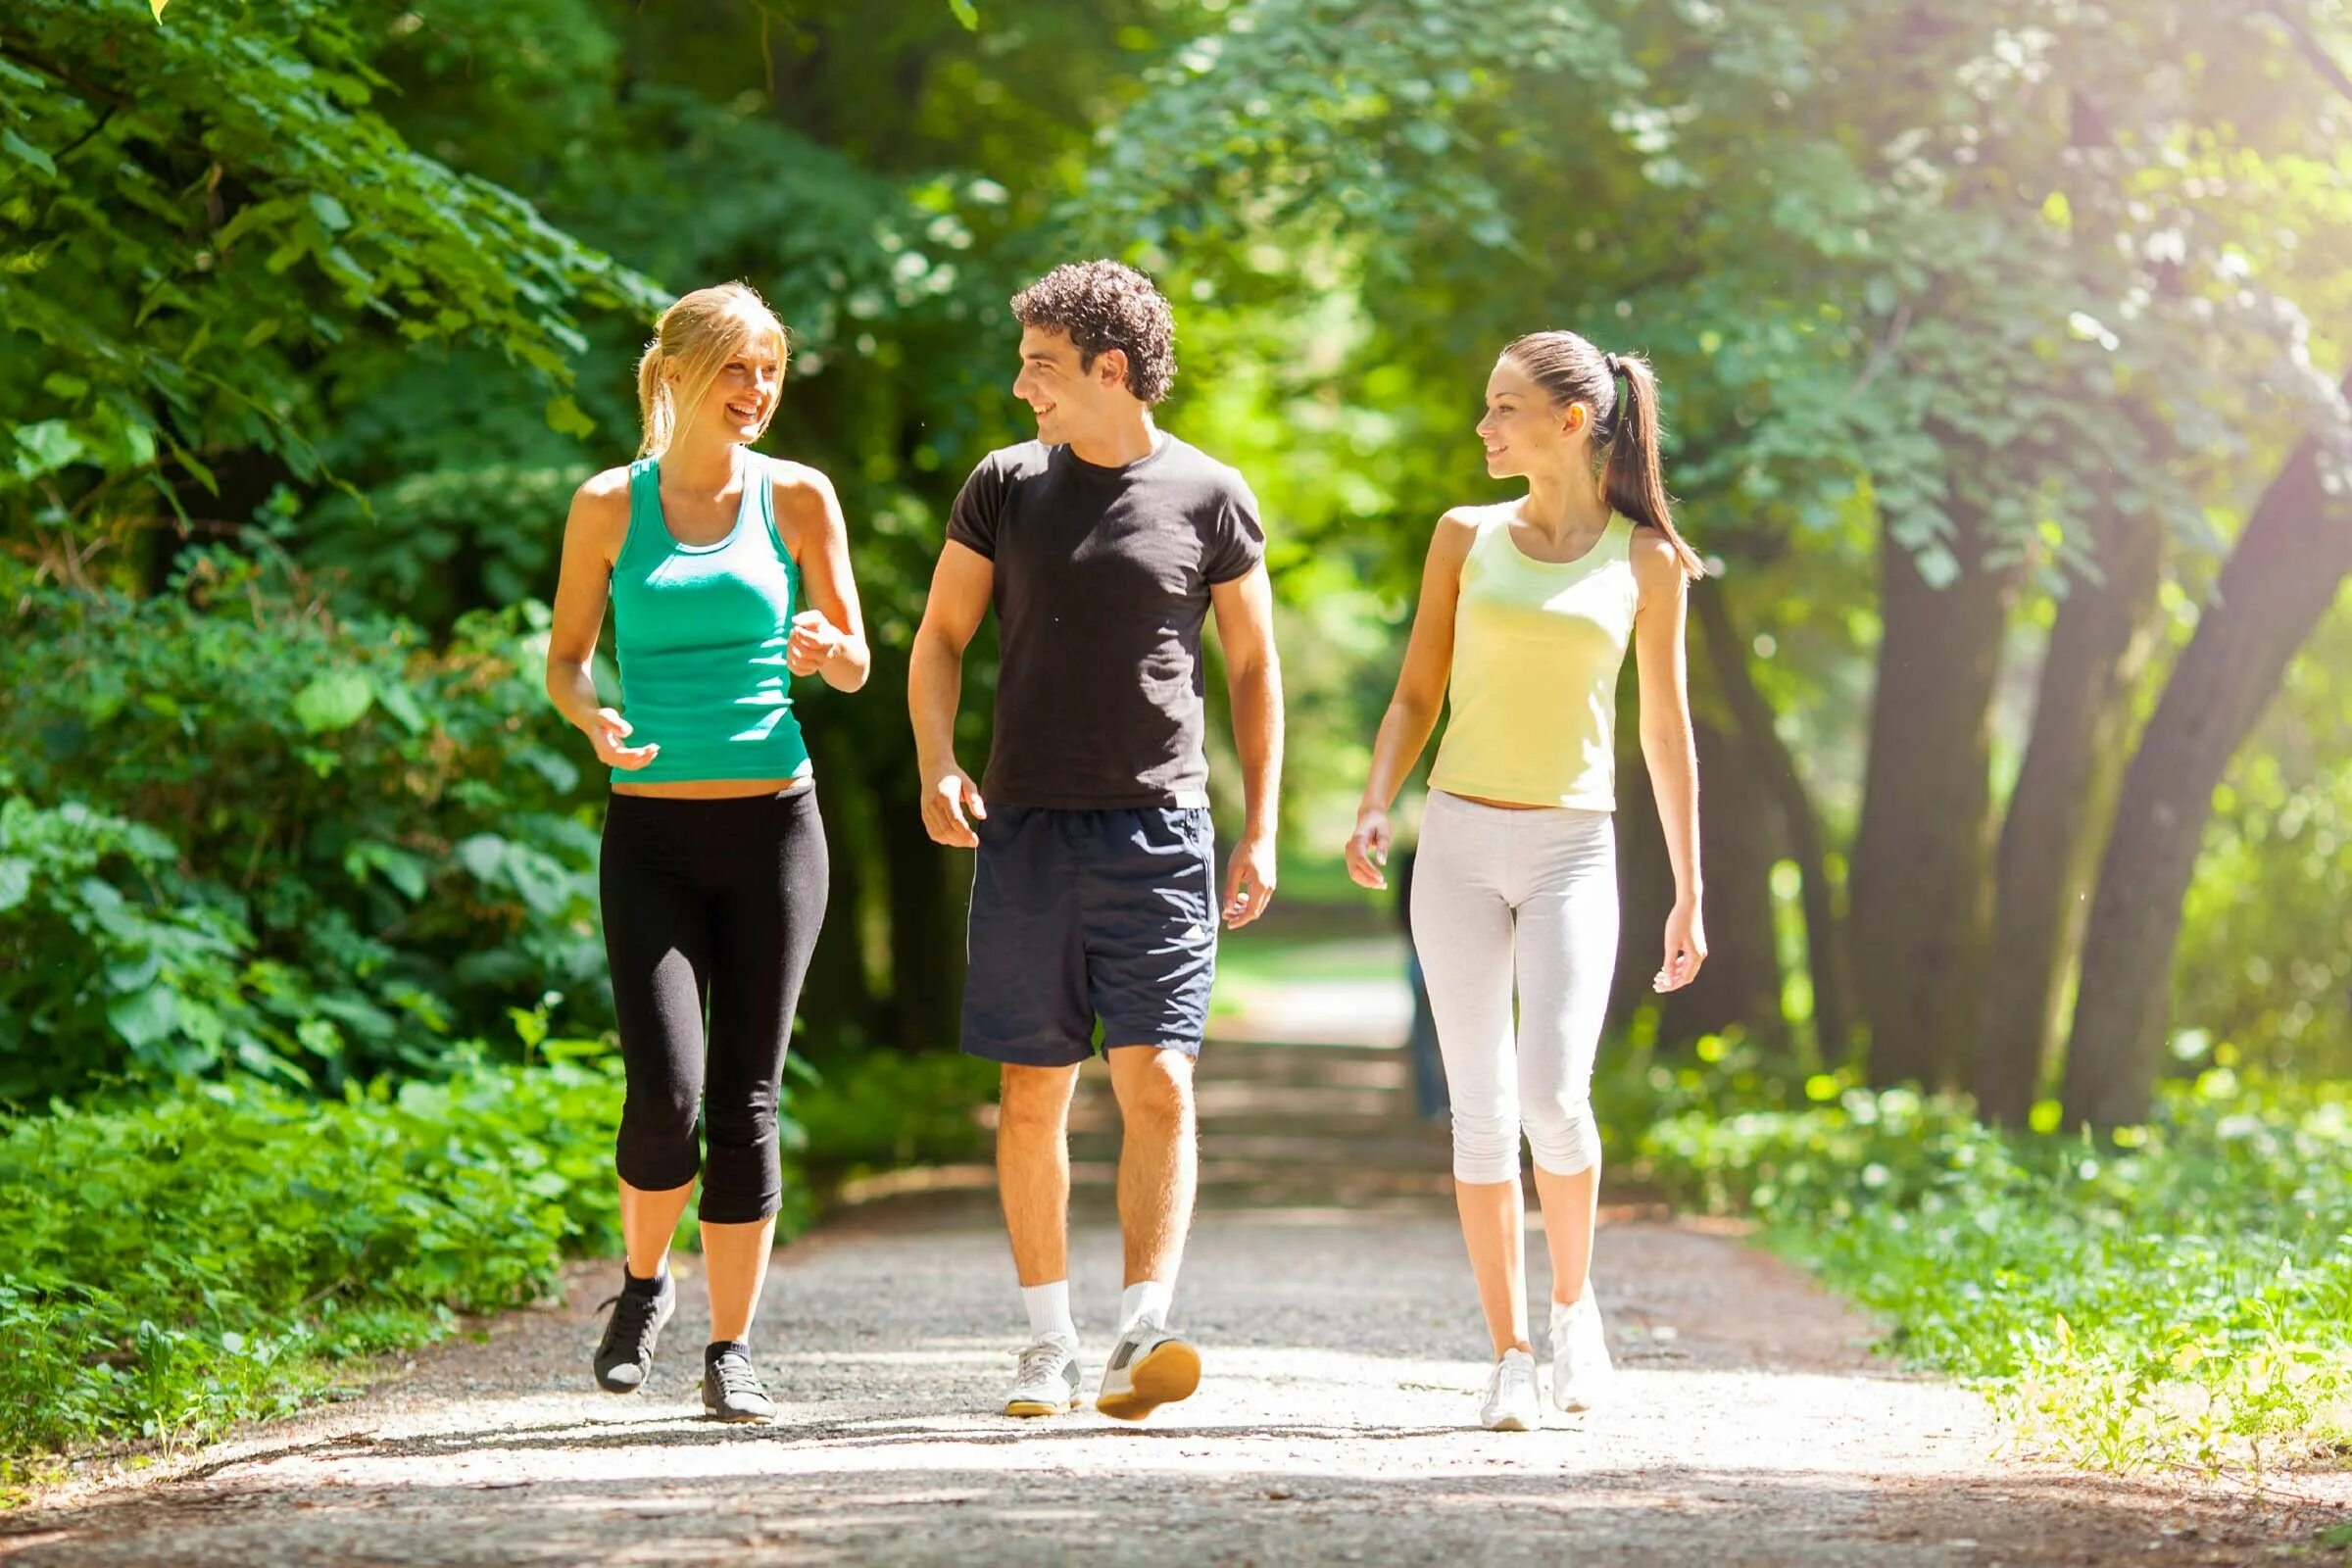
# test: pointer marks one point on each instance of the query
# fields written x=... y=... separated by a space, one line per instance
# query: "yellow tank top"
x=1536 y=648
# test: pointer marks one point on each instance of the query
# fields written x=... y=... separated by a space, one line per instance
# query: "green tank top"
x=1536 y=648
x=700 y=633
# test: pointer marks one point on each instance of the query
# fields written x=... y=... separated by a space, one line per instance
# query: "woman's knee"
x=742 y=1181
x=1486 y=1144
x=1563 y=1132
x=658 y=1149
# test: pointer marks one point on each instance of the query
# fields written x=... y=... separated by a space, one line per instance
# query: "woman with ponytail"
x=1526 y=609
x=727 y=572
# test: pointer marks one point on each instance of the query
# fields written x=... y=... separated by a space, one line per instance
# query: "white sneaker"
x=1150 y=1367
x=1047 y=1381
x=1579 y=1354
x=1513 y=1404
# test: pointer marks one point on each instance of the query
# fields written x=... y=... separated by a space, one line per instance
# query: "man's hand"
x=1248 y=879
x=948 y=794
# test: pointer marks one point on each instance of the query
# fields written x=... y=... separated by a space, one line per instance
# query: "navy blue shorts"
x=1085 y=914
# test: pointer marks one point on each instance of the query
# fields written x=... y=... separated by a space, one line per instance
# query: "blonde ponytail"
x=657 y=404
x=692 y=343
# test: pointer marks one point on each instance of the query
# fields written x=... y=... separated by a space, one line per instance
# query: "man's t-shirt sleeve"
x=1237 y=540
x=973 y=519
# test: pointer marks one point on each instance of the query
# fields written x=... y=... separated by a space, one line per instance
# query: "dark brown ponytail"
x=1624 y=424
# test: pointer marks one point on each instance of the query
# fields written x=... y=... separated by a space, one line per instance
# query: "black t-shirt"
x=1102 y=583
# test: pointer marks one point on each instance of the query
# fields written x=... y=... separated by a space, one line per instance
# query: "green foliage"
x=883 y=1110
x=2184 y=1295
x=247 y=829
x=209 y=226
x=2265 y=971
x=221 y=1251
x=207 y=1257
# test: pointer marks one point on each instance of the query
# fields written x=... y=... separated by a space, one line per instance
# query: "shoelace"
x=1511 y=1373
x=633 y=1325
x=735 y=1376
x=1037 y=1362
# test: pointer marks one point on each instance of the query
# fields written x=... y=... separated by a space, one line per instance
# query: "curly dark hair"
x=1105 y=305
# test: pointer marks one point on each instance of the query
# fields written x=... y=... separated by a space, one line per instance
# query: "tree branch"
x=2309 y=43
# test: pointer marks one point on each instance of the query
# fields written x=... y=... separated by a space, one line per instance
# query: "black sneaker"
x=731 y=1390
x=626 y=1354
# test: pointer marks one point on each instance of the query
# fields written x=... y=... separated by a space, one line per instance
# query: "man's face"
x=1066 y=399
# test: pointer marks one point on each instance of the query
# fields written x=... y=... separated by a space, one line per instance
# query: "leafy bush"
x=886 y=1109
x=2181 y=1296
x=245 y=829
x=207 y=1257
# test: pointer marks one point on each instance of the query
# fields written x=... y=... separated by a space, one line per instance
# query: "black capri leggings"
x=709 y=904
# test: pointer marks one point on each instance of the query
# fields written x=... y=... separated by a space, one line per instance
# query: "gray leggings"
x=1535 y=891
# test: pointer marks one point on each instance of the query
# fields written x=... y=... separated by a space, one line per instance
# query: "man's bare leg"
x=1033 y=1169
x=1159 y=1170
x=1158 y=1158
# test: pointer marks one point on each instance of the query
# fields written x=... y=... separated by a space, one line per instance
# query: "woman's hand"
x=1685 y=947
x=1368 y=848
x=813 y=642
x=606 y=732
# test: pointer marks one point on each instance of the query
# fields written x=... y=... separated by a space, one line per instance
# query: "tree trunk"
x=2061 y=806
x=1771 y=765
x=1922 y=886
x=2279 y=580
x=1645 y=884
x=929 y=889
x=1740 y=981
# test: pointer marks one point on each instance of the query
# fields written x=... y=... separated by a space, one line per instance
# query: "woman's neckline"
x=1510 y=537
x=742 y=507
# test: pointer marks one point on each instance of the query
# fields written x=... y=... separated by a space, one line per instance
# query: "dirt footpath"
x=1335 y=1420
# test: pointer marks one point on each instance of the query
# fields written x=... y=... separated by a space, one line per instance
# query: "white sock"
x=1049 y=1310
x=1145 y=1302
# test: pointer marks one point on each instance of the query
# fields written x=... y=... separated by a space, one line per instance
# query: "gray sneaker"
x=732 y=1392
x=1046 y=1382
x=626 y=1353
x=1150 y=1367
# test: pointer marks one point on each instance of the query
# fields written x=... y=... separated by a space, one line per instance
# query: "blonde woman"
x=726 y=571
x=1527 y=609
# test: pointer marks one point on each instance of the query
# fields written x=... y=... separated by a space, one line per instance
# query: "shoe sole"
x=1511 y=1423
x=744 y=1420
x=1171 y=1371
x=1038 y=1407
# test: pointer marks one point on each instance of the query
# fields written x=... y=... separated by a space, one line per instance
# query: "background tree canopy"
x=2005 y=350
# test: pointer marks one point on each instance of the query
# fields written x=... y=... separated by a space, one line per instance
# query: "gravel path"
x=1335 y=1422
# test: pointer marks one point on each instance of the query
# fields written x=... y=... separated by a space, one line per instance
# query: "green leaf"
x=540 y=878
x=25 y=152
x=564 y=416
x=482 y=854
x=133 y=974
x=334 y=700
x=329 y=213
x=144 y=1017
x=400 y=704
x=50 y=444
x=158 y=7
x=966 y=13
x=16 y=880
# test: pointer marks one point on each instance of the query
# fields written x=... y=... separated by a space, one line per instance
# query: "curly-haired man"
x=1103 y=546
